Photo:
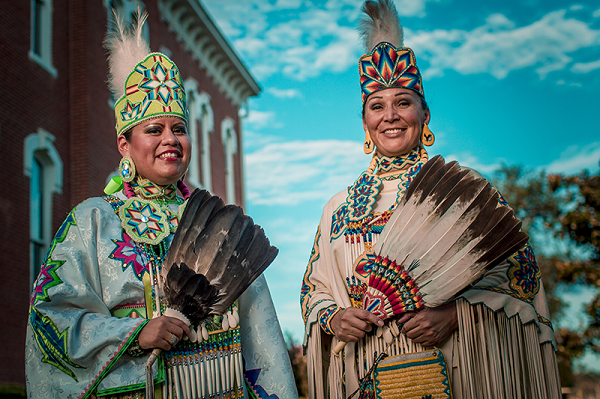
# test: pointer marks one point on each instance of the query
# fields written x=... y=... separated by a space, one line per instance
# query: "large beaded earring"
x=427 y=138
x=368 y=145
x=127 y=169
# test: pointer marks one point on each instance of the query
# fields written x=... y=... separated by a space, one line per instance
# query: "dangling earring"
x=368 y=145
x=427 y=138
x=127 y=169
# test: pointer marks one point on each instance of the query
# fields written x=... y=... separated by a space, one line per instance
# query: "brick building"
x=57 y=136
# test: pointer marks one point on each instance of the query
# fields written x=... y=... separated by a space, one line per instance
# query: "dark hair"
x=424 y=105
x=127 y=135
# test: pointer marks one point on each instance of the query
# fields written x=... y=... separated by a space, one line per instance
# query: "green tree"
x=562 y=210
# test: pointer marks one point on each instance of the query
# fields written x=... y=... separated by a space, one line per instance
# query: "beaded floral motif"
x=144 y=221
x=338 y=221
x=148 y=190
x=131 y=254
x=525 y=274
x=387 y=164
x=325 y=318
x=51 y=341
x=368 y=224
x=361 y=196
x=406 y=179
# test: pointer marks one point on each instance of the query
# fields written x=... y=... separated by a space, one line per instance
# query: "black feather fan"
x=216 y=253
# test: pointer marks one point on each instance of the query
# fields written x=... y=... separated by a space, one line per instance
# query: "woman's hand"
x=158 y=332
x=431 y=326
x=351 y=324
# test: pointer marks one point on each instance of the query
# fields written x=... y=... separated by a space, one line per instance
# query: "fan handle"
x=338 y=347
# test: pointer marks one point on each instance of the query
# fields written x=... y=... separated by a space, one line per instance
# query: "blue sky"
x=515 y=82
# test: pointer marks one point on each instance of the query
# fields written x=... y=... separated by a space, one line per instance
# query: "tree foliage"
x=563 y=210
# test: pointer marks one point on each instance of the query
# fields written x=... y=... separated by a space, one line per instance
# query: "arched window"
x=200 y=125
x=229 y=138
x=41 y=34
x=43 y=166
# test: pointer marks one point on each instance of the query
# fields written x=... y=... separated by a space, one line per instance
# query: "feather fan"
x=216 y=253
x=380 y=23
x=448 y=230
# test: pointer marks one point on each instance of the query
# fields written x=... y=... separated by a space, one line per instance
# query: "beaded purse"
x=419 y=375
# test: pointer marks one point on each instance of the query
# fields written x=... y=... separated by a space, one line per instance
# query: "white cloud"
x=471 y=161
x=259 y=119
x=585 y=67
x=596 y=14
x=412 y=8
x=300 y=171
x=300 y=44
x=576 y=158
x=498 y=47
x=284 y=93
x=322 y=38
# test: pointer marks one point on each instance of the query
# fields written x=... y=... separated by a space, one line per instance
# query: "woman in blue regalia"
x=95 y=311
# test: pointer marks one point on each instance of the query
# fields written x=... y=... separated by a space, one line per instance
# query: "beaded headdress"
x=386 y=64
x=147 y=85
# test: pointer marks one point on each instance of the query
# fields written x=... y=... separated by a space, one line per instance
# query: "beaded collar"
x=146 y=189
x=146 y=217
x=355 y=217
x=361 y=195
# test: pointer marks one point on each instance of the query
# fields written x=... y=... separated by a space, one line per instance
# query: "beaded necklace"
x=355 y=218
x=146 y=217
x=361 y=227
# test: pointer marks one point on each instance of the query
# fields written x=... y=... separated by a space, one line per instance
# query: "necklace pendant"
x=144 y=221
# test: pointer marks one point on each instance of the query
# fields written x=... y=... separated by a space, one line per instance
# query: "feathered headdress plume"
x=380 y=24
x=447 y=231
x=126 y=47
x=216 y=253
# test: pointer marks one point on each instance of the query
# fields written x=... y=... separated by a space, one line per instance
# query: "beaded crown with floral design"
x=153 y=89
x=147 y=84
x=386 y=64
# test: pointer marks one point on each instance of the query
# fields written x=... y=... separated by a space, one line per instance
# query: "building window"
x=229 y=138
x=200 y=126
x=43 y=166
x=41 y=34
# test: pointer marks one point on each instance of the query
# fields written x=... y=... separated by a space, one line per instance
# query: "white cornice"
x=195 y=29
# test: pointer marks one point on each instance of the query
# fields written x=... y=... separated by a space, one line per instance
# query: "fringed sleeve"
x=323 y=294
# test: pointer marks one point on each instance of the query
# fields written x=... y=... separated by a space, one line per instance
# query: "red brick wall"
x=33 y=99
x=74 y=108
x=222 y=107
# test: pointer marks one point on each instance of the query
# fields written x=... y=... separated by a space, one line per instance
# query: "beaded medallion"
x=144 y=221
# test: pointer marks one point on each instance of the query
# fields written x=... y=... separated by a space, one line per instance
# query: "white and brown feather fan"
x=447 y=231
x=216 y=253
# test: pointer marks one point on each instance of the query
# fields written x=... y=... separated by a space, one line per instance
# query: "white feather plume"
x=380 y=24
x=126 y=47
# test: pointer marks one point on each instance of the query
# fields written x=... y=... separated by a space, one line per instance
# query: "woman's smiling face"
x=394 y=118
x=160 y=149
